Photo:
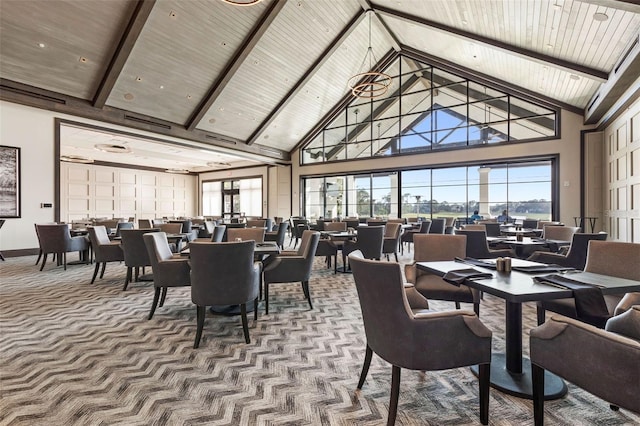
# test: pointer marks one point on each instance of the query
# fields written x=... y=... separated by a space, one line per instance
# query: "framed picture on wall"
x=9 y=181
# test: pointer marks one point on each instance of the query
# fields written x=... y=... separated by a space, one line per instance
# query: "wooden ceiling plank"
x=243 y=52
x=529 y=54
x=308 y=75
x=127 y=42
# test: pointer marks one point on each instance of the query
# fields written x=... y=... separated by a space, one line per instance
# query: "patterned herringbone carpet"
x=79 y=354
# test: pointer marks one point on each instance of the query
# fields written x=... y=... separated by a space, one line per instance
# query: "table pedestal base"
x=520 y=384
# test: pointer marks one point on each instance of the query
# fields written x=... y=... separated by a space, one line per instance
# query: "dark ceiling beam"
x=628 y=5
x=386 y=60
x=486 y=80
x=588 y=72
x=19 y=93
x=335 y=44
x=241 y=54
x=134 y=28
x=395 y=43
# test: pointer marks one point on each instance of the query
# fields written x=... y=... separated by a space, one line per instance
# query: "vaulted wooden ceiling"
x=258 y=79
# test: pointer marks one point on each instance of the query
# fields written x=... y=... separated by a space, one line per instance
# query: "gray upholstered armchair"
x=136 y=255
x=289 y=267
x=611 y=370
x=168 y=270
x=477 y=246
x=56 y=239
x=576 y=257
x=613 y=258
x=437 y=247
x=104 y=249
x=416 y=341
x=223 y=274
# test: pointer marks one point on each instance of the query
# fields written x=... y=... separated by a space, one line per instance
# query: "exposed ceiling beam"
x=386 y=60
x=134 y=28
x=395 y=43
x=241 y=54
x=628 y=5
x=335 y=44
x=12 y=91
x=487 y=80
x=585 y=71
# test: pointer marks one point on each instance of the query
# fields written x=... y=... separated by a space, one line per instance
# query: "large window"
x=243 y=196
x=428 y=109
x=525 y=189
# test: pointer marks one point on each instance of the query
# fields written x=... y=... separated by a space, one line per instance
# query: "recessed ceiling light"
x=600 y=17
x=188 y=96
x=266 y=136
x=549 y=46
x=42 y=45
x=138 y=79
x=464 y=22
x=221 y=109
x=117 y=149
x=83 y=59
x=223 y=43
x=129 y=96
x=161 y=87
x=574 y=77
x=172 y=14
x=212 y=120
x=256 y=62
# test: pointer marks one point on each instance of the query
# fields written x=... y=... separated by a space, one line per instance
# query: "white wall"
x=567 y=147
x=33 y=130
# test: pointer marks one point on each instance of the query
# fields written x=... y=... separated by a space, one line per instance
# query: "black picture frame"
x=10 y=191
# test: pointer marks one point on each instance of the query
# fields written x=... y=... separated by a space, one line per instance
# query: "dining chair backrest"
x=474 y=227
x=492 y=228
x=370 y=241
x=335 y=226
x=170 y=228
x=530 y=223
x=98 y=235
x=223 y=273
x=615 y=258
x=401 y=221
x=392 y=230
x=246 y=234
x=437 y=226
x=477 y=246
x=439 y=247
x=157 y=247
x=217 y=234
x=123 y=225
x=559 y=233
x=144 y=224
x=352 y=223
x=256 y=223
x=209 y=226
x=376 y=222
x=425 y=227
x=54 y=238
x=578 y=250
x=134 y=248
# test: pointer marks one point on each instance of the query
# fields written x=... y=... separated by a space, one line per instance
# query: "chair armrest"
x=546 y=257
x=605 y=365
x=172 y=272
x=286 y=269
x=410 y=272
x=415 y=299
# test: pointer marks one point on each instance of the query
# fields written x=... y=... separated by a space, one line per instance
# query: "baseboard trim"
x=20 y=252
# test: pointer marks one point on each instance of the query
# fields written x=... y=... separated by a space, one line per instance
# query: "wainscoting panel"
x=89 y=190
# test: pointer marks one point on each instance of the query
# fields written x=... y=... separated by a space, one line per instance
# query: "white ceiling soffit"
x=82 y=142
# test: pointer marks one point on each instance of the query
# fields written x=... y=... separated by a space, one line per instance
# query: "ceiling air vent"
x=218 y=164
x=147 y=121
x=32 y=94
x=593 y=102
x=76 y=159
x=219 y=139
x=626 y=54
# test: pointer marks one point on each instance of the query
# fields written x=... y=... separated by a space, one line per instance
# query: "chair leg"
x=137 y=274
x=95 y=272
x=255 y=309
x=484 y=373
x=200 y=313
x=39 y=256
x=395 y=393
x=44 y=260
x=457 y=305
x=537 y=374
x=164 y=296
x=266 y=298
x=614 y=407
x=245 y=323
x=476 y=308
x=156 y=296
x=335 y=263
x=307 y=293
x=395 y=253
x=540 y=313
x=365 y=367
x=104 y=265
x=127 y=280
x=64 y=260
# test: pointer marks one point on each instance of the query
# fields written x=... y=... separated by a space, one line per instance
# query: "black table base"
x=520 y=385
